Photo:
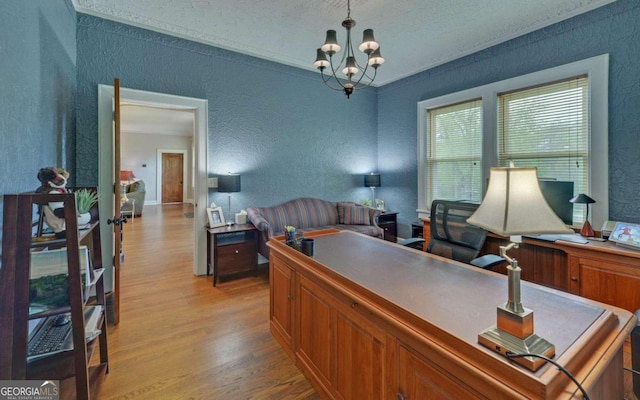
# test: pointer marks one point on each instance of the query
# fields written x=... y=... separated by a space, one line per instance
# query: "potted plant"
x=85 y=199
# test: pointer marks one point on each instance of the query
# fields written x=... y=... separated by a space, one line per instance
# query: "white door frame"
x=106 y=180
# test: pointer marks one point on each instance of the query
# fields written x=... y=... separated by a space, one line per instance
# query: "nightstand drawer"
x=236 y=258
x=389 y=222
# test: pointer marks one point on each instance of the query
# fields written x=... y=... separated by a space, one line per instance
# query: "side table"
x=388 y=220
x=232 y=250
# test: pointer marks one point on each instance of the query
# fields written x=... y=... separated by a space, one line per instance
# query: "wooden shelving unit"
x=21 y=237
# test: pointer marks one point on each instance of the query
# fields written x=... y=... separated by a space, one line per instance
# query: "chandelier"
x=351 y=66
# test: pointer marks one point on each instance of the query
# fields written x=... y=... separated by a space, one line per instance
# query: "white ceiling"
x=414 y=35
x=142 y=119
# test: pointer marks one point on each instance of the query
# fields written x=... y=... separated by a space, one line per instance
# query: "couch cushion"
x=352 y=214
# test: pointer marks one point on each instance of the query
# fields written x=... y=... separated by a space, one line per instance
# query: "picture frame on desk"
x=215 y=217
x=379 y=204
x=626 y=234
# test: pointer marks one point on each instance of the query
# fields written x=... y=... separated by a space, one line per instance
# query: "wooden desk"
x=365 y=318
x=601 y=271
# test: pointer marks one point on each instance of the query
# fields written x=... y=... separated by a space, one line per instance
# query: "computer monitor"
x=558 y=194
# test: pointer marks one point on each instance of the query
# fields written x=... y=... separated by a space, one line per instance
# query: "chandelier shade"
x=355 y=73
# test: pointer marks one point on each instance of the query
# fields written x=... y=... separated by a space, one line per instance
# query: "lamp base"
x=587 y=230
x=502 y=342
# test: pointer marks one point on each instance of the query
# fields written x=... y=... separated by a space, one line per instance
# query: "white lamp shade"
x=514 y=205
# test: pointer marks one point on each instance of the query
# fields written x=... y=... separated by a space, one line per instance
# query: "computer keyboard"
x=52 y=338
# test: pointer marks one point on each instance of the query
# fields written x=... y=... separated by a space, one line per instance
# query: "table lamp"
x=582 y=198
x=514 y=206
x=229 y=184
x=126 y=179
x=372 y=181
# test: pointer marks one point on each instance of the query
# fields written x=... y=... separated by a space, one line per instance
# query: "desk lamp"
x=229 y=184
x=514 y=206
x=372 y=181
x=587 y=230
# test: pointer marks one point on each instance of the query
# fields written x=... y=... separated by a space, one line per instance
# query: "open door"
x=117 y=220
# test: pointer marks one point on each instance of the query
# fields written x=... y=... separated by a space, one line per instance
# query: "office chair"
x=453 y=237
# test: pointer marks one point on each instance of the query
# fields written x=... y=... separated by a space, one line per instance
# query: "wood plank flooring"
x=181 y=338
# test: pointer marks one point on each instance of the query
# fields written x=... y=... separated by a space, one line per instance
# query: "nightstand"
x=232 y=250
x=389 y=222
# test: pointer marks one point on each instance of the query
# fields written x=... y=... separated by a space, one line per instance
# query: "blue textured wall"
x=278 y=126
x=38 y=84
x=612 y=29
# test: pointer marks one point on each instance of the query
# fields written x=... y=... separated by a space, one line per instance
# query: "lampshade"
x=229 y=183
x=514 y=205
x=582 y=199
x=126 y=175
x=372 y=180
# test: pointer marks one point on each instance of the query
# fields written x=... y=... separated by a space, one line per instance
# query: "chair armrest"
x=414 y=243
x=487 y=261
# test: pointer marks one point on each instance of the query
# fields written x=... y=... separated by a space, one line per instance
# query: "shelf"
x=69 y=278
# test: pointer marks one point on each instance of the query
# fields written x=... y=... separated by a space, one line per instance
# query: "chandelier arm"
x=364 y=85
x=333 y=73
x=328 y=79
x=364 y=73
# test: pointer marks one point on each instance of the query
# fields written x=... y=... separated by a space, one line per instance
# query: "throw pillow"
x=353 y=215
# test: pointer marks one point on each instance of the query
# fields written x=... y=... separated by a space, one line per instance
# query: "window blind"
x=548 y=127
x=454 y=152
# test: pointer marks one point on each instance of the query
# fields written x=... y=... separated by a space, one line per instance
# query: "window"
x=548 y=127
x=555 y=120
x=454 y=152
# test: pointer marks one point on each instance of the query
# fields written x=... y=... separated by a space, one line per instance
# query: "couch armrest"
x=373 y=215
x=257 y=219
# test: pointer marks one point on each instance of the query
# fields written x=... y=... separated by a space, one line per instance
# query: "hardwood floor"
x=181 y=338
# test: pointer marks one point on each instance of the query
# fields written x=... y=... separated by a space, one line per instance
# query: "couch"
x=308 y=214
x=136 y=191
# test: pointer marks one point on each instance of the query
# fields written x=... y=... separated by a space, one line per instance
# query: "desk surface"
x=459 y=299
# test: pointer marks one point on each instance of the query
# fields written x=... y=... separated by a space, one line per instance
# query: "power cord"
x=633 y=371
x=560 y=367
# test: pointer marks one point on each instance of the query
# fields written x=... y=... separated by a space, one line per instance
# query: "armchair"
x=136 y=191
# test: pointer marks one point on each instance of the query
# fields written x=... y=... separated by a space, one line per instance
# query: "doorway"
x=106 y=179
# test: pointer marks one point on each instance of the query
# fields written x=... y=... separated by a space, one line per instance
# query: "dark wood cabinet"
x=232 y=250
x=389 y=222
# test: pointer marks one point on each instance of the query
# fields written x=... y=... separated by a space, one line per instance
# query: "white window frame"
x=597 y=71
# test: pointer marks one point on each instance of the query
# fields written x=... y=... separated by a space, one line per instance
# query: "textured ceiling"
x=144 y=119
x=414 y=35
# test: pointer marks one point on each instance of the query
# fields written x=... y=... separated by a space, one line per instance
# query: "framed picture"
x=380 y=204
x=216 y=218
x=626 y=234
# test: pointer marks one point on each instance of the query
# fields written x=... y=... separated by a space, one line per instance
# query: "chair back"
x=451 y=235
